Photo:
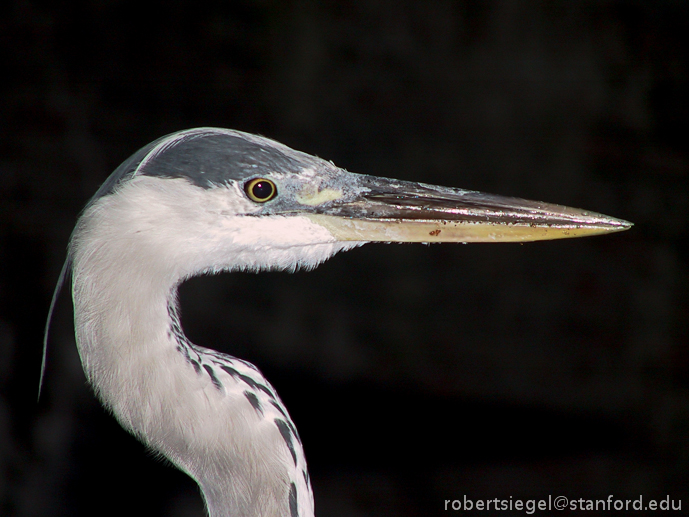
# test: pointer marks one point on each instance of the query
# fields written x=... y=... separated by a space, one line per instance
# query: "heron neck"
x=130 y=343
x=122 y=325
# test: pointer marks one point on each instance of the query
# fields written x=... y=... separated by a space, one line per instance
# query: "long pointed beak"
x=386 y=210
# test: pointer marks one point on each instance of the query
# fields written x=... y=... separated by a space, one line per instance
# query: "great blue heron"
x=209 y=200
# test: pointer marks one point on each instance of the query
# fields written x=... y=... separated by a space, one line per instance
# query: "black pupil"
x=262 y=190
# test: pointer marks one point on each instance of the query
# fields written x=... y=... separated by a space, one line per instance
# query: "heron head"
x=227 y=200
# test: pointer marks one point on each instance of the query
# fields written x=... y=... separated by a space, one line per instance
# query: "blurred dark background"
x=415 y=374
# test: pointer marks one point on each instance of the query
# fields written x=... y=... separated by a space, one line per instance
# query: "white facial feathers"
x=178 y=230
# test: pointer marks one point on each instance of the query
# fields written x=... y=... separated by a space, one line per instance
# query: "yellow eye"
x=260 y=190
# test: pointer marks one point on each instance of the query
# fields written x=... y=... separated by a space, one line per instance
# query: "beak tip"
x=614 y=224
